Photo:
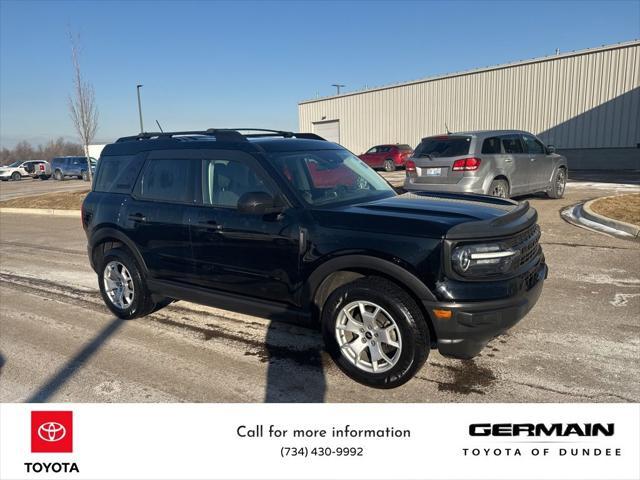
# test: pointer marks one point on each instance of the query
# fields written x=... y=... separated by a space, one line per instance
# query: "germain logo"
x=541 y=429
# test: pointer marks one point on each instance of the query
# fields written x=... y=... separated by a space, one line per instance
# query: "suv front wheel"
x=375 y=332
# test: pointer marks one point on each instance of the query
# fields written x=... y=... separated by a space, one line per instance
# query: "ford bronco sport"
x=292 y=227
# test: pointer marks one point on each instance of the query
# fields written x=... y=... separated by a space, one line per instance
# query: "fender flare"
x=347 y=262
x=490 y=178
x=108 y=232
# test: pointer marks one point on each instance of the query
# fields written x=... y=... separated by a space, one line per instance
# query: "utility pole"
x=338 y=86
x=140 y=108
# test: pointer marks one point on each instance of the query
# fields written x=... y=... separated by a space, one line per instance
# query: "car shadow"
x=295 y=371
x=46 y=391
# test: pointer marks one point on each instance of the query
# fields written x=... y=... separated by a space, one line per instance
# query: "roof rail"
x=222 y=134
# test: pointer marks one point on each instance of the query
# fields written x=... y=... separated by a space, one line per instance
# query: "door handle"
x=508 y=160
x=137 y=217
x=533 y=159
x=211 y=225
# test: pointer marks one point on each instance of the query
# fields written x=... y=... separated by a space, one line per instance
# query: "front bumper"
x=473 y=324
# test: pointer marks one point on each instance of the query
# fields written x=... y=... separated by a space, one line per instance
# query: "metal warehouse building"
x=586 y=103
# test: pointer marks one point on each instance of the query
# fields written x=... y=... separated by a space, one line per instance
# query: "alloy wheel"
x=368 y=336
x=118 y=285
x=561 y=182
x=499 y=191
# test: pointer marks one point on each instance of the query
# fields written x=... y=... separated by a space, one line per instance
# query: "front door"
x=537 y=162
x=157 y=216
x=252 y=255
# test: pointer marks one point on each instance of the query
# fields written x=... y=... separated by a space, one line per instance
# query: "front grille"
x=526 y=243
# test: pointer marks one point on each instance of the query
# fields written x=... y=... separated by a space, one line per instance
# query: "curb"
x=589 y=214
x=42 y=211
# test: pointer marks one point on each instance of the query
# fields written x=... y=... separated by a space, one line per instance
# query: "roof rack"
x=222 y=134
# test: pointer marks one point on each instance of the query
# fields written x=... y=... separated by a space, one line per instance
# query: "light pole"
x=338 y=86
x=140 y=108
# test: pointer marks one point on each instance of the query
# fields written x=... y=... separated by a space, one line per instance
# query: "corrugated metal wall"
x=590 y=99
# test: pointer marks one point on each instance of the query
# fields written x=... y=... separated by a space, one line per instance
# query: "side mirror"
x=551 y=149
x=258 y=203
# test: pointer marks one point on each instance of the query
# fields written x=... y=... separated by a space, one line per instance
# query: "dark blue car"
x=63 y=167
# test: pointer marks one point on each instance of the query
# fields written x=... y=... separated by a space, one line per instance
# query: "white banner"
x=320 y=441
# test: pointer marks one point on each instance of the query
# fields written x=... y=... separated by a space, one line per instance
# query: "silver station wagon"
x=502 y=163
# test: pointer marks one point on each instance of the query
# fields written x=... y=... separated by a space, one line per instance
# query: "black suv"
x=292 y=227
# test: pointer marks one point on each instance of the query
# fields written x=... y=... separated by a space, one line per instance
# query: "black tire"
x=45 y=177
x=15 y=176
x=58 y=175
x=389 y=165
x=499 y=188
x=558 y=184
x=413 y=330
x=142 y=303
x=85 y=176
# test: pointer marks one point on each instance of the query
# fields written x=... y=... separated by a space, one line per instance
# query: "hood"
x=432 y=215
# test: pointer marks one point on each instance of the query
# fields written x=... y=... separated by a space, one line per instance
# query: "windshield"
x=443 y=147
x=14 y=164
x=329 y=177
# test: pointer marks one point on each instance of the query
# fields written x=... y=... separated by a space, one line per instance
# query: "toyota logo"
x=51 y=431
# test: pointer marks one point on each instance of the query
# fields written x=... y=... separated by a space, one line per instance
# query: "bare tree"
x=82 y=103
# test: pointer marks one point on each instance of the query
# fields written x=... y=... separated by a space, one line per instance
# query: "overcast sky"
x=228 y=64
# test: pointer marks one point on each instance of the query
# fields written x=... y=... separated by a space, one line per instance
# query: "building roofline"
x=547 y=58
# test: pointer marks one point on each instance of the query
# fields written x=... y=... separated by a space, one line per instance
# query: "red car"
x=388 y=157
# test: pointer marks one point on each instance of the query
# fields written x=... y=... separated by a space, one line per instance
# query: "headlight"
x=482 y=259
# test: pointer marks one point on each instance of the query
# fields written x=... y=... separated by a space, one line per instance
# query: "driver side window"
x=225 y=181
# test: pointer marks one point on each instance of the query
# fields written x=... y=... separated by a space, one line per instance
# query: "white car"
x=30 y=168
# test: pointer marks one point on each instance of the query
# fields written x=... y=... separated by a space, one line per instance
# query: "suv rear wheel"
x=375 y=332
x=499 y=188
x=122 y=286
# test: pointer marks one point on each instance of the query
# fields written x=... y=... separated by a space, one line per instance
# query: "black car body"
x=243 y=230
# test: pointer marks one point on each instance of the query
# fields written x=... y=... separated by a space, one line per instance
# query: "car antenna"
x=161 y=131
x=447 y=128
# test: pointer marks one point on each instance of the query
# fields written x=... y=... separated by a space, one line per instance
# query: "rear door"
x=251 y=255
x=157 y=215
x=516 y=157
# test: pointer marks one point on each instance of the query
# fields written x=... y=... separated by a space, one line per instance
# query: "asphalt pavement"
x=58 y=343
x=28 y=187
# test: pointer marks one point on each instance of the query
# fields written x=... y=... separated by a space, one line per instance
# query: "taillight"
x=466 y=164
x=41 y=167
x=410 y=166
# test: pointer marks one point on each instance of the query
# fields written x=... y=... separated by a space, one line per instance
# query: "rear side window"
x=512 y=144
x=443 y=147
x=117 y=173
x=168 y=180
x=491 y=145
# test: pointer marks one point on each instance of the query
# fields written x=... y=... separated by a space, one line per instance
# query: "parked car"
x=389 y=157
x=238 y=222
x=502 y=163
x=63 y=167
x=39 y=169
x=18 y=170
